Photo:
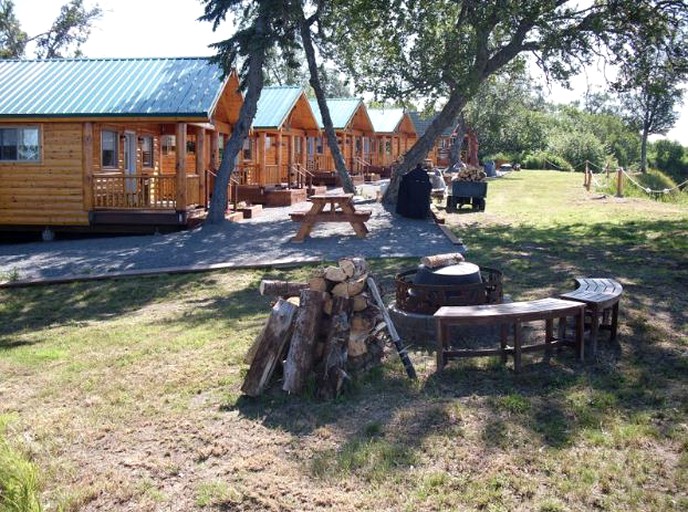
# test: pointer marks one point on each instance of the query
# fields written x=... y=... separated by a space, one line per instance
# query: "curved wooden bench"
x=601 y=297
x=514 y=315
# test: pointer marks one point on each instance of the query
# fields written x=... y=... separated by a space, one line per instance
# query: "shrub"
x=545 y=160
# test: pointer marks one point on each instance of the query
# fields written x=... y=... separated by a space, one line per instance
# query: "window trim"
x=21 y=127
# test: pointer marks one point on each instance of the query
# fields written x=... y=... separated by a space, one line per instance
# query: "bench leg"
x=580 y=325
x=503 y=337
x=360 y=229
x=303 y=232
x=517 y=346
x=594 y=328
x=439 y=356
x=549 y=336
x=615 y=320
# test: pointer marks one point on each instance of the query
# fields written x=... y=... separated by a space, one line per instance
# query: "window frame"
x=116 y=148
x=147 y=164
x=18 y=130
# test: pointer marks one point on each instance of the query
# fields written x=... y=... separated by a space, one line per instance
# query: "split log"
x=300 y=360
x=442 y=260
x=335 y=274
x=350 y=288
x=327 y=304
x=354 y=267
x=318 y=283
x=269 y=347
x=357 y=345
x=332 y=374
x=364 y=321
x=281 y=288
x=360 y=302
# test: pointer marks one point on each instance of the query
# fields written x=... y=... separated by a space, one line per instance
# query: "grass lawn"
x=124 y=394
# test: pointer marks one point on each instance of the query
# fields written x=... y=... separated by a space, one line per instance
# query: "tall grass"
x=651 y=184
x=19 y=481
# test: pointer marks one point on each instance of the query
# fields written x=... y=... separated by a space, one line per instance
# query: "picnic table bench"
x=341 y=209
x=601 y=297
x=510 y=316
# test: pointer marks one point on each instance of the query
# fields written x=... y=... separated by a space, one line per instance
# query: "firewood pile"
x=470 y=174
x=320 y=332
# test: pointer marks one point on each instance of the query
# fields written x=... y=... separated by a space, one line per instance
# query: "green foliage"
x=70 y=30
x=545 y=160
x=19 y=484
x=577 y=148
x=12 y=37
x=671 y=157
x=64 y=38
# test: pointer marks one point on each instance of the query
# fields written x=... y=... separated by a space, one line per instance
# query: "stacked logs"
x=320 y=331
x=470 y=174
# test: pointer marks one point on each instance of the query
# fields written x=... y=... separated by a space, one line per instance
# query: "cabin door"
x=130 y=161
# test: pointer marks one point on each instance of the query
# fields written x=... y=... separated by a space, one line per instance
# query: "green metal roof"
x=109 y=87
x=386 y=120
x=342 y=110
x=274 y=105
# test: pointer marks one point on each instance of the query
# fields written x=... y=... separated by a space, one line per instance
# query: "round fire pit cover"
x=461 y=273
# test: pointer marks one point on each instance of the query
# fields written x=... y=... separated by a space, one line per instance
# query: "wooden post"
x=304 y=150
x=586 y=180
x=619 y=182
x=278 y=158
x=262 y=157
x=180 y=167
x=201 y=161
x=88 y=166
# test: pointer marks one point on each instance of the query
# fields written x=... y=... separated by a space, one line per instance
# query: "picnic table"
x=341 y=209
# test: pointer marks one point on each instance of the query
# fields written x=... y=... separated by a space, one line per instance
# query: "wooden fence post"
x=619 y=182
x=586 y=180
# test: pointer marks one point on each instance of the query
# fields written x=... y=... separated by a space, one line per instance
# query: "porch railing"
x=301 y=175
x=359 y=165
x=134 y=191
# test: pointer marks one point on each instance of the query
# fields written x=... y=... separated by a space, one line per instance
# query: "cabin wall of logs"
x=320 y=333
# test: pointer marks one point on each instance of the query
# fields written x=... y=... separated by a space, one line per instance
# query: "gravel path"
x=263 y=241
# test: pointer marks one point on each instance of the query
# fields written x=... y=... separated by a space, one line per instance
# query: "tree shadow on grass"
x=551 y=403
x=36 y=307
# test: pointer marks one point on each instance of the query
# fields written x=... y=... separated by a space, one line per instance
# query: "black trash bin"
x=414 y=194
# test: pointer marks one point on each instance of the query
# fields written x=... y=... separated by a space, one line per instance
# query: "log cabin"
x=110 y=144
x=271 y=169
x=395 y=133
x=439 y=154
x=355 y=134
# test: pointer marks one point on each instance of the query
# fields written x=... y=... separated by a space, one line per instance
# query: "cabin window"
x=247 y=149
x=169 y=144
x=20 y=144
x=108 y=148
x=147 y=152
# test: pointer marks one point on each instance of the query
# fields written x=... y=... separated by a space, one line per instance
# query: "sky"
x=169 y=28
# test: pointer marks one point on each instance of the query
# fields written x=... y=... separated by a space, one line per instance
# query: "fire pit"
x=422 y=291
